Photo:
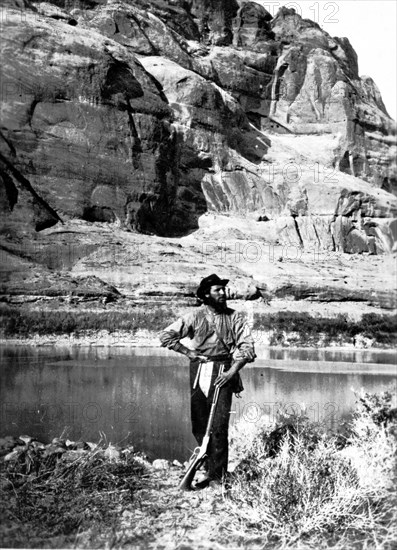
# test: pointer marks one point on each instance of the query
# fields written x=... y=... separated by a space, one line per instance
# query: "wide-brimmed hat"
x=208 y=282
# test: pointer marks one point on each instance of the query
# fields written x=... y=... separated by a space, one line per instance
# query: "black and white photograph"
x=198 y=276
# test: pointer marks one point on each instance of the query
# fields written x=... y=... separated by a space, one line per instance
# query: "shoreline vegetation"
x=139 y=326
x=293 y=484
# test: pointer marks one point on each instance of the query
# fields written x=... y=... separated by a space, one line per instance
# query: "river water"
x=141 y=396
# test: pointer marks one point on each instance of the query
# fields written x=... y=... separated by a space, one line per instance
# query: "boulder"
x=161 y=464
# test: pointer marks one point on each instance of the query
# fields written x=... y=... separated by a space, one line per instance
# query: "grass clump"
x=296 y=482
x=49 y=493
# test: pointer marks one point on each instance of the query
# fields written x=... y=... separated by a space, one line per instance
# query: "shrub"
x=25 y=323
x=306 y=488
x=382 y=328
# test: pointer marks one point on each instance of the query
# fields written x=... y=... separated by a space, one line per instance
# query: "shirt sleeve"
x=171 y=336
x=243 y=339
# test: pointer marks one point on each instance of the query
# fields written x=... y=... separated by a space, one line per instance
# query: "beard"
x=219 y=305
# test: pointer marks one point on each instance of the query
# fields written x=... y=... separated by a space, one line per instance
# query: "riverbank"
x=291 y=486
x=148 y=339
x=276 y=323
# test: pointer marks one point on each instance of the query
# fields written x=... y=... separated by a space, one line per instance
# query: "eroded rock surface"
x=145 y=115
x=86 y=131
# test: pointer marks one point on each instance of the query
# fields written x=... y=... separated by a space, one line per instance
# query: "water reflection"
x=141 y=397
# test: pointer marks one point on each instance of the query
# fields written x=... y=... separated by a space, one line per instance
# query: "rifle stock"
x=186 y=483
x=200 y=453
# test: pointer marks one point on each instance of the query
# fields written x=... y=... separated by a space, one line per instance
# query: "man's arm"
x=244 y=342
x=244 y=352
x=172 y=335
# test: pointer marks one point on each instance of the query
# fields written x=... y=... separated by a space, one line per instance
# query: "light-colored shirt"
x=199 y=325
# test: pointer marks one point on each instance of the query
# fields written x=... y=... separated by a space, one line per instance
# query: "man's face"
x=217 y=296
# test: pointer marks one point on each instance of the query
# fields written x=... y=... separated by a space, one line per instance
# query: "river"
x=140 y=396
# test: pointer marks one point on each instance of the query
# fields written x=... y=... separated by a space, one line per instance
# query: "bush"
x=382 y=328
x=25 y=323
x=306 y=488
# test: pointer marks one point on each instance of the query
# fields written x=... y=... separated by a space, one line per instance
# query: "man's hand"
x=193 y=356
x=223 y=378
x=250 y=355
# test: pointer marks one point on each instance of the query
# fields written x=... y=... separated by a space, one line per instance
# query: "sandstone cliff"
x=147 y=114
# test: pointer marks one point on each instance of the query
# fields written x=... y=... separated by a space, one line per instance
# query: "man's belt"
x=220 y=358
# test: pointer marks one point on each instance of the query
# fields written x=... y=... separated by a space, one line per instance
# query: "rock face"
x=149 y=113
x=86 y=131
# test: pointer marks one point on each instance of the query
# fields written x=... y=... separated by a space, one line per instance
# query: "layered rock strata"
x=148 y=114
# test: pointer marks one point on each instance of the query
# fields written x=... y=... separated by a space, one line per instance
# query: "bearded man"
x=219 y=336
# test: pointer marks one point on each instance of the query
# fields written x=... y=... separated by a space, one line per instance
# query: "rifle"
x=200 y=453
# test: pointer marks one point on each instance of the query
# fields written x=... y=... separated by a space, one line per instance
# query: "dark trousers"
x=216 y=464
